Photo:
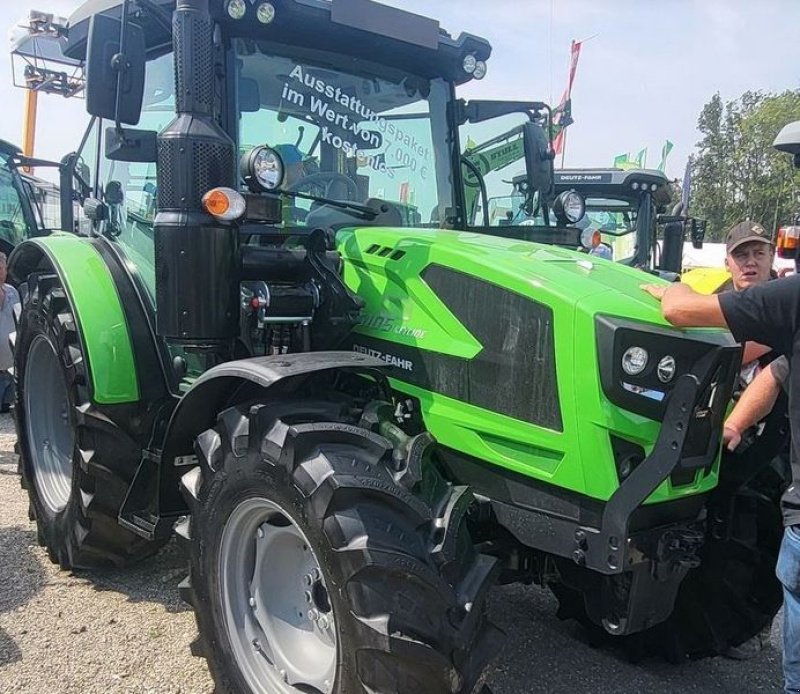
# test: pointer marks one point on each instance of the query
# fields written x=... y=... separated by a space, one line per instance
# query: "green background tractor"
x=25 y=209
x=356 y=425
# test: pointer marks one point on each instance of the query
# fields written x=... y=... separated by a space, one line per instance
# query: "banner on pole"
x=665 y=150
x=562 y=114
x=625 y=162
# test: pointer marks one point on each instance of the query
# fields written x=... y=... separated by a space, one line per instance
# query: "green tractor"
x=621 y=212
x=625 y=211
x=629 y=208
x=285 y=341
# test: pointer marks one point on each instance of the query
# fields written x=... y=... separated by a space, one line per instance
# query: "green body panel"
x=401 y=308
x=99 y=315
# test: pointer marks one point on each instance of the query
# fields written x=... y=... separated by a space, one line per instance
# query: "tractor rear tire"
x=76 y=464
x=321 y=563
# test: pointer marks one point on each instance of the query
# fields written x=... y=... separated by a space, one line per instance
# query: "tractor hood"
x=514 y=341
x=542 y=272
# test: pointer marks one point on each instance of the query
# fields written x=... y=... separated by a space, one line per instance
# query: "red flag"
x=558 y=141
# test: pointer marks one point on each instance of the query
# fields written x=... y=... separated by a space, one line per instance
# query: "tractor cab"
x=323 y=122
x=622 y=212
x=631 y=212
x=610 y=213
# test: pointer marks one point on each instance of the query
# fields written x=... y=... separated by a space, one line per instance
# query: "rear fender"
x=93 y=296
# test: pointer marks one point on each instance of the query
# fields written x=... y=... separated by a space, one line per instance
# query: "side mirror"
x=115 y=81
x=82 y=171
x=697 y=232
x=539 y=162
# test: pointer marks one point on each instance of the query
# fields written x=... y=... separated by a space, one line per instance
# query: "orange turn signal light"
x=225 y=204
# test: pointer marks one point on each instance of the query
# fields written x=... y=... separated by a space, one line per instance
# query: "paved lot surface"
x=128 y=631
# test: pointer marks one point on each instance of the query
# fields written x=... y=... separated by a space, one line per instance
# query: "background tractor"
x=286 y=340
x=26 y=202
x=629 y=213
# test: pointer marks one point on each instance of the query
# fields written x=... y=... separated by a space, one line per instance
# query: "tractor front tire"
x=320 y=562
x=76 y=464
x=734 y=594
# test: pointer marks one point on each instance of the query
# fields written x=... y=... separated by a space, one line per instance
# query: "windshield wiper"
x=361 y=211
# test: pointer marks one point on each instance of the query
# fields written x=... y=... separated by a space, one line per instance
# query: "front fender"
x=214 y=389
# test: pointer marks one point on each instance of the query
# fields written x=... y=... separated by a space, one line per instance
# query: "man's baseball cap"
x=745 y=232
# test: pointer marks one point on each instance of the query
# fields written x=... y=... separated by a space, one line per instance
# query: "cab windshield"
x=355 y=134
x=615 y=219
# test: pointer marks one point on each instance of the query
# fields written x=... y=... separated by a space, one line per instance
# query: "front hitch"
x=607 y=549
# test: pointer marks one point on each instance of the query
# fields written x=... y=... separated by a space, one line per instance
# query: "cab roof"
x=356 y=28
x=614 y=182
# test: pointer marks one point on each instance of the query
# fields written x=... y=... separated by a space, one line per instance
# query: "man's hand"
x=655 y=290
x=685 y=308
x=731 y=437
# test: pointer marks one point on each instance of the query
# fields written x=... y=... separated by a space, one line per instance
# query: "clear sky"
x=641 y=80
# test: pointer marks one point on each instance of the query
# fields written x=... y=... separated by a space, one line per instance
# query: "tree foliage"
x=736 y=173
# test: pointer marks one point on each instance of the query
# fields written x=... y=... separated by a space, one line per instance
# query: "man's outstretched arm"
x=684 y=307
x=756 y=402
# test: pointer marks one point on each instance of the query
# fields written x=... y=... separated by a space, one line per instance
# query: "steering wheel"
x=325 y=180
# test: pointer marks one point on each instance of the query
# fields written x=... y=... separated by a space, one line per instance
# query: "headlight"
x=470 y=61
x=480 y=70
x=634 y=360
x=265 y=12
x=262 y=169
x=236 y=9
x=569 y=206
x=666 y=369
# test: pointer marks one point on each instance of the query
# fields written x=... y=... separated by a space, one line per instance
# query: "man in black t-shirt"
x=769 y=314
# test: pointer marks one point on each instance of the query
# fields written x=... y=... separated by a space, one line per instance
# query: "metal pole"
x=29 y=126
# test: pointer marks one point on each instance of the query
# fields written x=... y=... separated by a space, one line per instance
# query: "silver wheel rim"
x=51 y=438
x=275 y=602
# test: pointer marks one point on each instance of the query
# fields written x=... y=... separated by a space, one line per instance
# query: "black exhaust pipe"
x=197 y=257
